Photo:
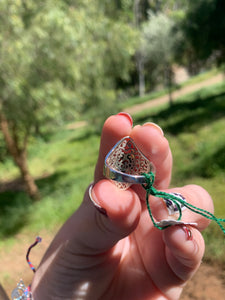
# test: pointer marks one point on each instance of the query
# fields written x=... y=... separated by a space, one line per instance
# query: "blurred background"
x=65 y=66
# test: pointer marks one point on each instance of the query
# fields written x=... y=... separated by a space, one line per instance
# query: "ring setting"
x=125 y=163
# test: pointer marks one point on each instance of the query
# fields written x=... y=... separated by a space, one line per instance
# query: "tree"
x=204 y=27
x=34 y=82
x=57 y=60
x=139 y=56
x=131 y=13
x=13 y=69
x=158 y=48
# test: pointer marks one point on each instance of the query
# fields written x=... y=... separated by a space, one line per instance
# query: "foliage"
x=118 y=9
x=168 y=5
x=59 y=60
x=156 y=38
x=62 y=178
x=158 y=48
x=204 y=27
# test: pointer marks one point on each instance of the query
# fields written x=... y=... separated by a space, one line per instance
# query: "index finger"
x=115 y=128
x=150 y=139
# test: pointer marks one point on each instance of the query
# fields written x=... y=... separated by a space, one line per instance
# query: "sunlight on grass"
x=8 y=170
x=72 y=160
x=63 y=169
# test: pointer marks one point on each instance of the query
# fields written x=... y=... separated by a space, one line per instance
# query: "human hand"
x=119 y=254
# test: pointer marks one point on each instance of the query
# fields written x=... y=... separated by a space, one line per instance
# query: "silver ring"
x=125 y=163
x=123 y=177
x=96 y=205
x=90 y=196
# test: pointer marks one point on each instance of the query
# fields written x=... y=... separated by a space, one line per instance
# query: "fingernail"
x=128 y=116
x=96 y=205
x=154 y=125
x=188 y=232
x=172 y=206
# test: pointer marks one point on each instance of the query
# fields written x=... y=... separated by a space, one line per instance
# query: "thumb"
x=184 y=250
x=87 y=234
x=121 y=215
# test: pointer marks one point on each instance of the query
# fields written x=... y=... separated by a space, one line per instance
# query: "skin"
x=121 y=255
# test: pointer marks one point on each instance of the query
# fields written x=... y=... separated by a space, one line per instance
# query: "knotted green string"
x=150 y=190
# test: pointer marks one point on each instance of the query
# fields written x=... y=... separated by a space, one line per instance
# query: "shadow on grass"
x=14 y=207
x=50 y=183
x=209 y=165
x=189 y=116
x=15 y=204
x=83 y=134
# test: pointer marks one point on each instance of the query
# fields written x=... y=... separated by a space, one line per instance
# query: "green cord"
x=150 y=190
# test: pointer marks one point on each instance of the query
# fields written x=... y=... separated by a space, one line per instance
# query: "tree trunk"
x=138 y=57
x=20 y=158
x=30 y=184
x=168 y=82
x=141 y=75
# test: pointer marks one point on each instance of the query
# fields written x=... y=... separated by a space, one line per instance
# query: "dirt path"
x=13 y=265
x=161 y=100
x=207 y=284
x=183 y=91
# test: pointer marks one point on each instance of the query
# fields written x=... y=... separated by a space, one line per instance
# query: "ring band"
x=123 y=177
x=90 y=196
x=96 y=205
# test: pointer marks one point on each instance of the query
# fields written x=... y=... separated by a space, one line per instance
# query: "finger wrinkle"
x=179 y=268
x=191 y=258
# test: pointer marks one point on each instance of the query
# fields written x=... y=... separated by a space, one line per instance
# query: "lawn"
x=64 y=165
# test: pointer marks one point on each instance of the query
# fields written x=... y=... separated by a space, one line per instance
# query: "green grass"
x=64 y=165
x=136 y=99
x=202 y=76
x=61 y=176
